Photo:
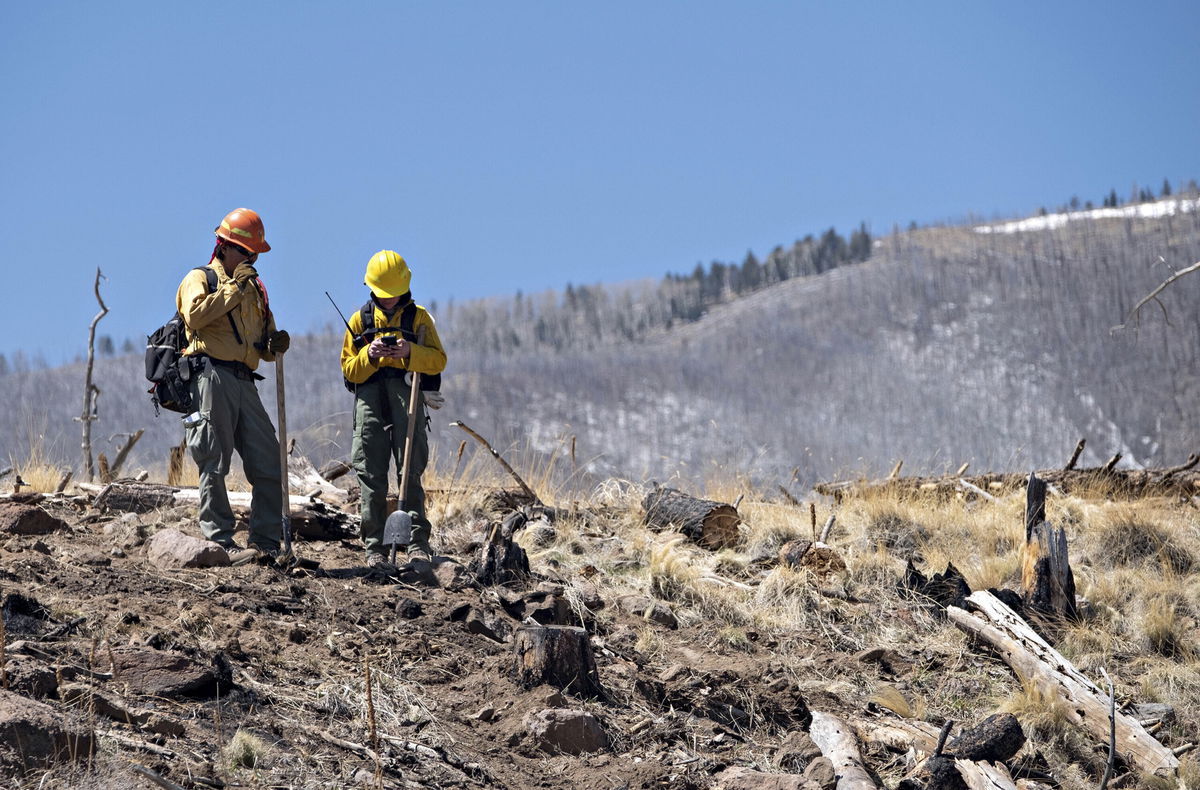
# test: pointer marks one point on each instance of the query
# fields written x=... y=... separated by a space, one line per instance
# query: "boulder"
x=738 y=778
x=157 y=673
x=171 y=548
x=126 y=532
x=820 y=772
x=649 y=609
x=409 y=609
x=35 y=735
x=30 y=677
x=566 y=731
x=19 y=519
x=450 y=574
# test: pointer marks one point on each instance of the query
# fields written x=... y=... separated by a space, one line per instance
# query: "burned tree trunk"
x=557 y=655
x=500 y=560
x=1046 y=580
x=711 y=524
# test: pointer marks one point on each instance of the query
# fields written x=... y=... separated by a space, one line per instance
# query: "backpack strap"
x=210 y=277
x=407 y=317
x=366 y=334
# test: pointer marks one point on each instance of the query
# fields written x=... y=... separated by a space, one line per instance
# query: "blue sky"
x=525 y=145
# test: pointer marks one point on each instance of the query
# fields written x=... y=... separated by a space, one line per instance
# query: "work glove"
x=279 y=342
x=434 y=399
x=243 y=274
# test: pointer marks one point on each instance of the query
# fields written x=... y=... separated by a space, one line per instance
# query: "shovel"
x=402 y=526
x=287 y=557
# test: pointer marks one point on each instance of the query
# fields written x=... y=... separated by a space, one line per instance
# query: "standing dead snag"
x=557 y=655
x=90 y=390
x=711 y=524
x=1046 y=579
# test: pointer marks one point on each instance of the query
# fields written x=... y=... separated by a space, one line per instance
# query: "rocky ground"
x=135 y=658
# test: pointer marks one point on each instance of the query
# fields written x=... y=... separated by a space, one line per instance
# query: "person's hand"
x=243 y=273
x=402 y=349
x=279 y=342
x=378 y=350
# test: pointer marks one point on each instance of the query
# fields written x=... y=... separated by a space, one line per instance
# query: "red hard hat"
x=244 y=228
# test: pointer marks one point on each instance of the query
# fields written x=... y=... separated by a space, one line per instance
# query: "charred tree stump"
x=995 y=739
x=711 y=524
x=500 y=560
x=1046 y=580
x=557 y=655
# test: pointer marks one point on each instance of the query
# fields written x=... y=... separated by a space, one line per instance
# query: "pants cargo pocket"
x=202 y=443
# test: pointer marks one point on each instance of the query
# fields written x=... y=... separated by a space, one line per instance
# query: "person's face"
x=235 y=255
x=388 y=303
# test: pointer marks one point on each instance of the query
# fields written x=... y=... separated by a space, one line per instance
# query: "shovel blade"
x=397 y=530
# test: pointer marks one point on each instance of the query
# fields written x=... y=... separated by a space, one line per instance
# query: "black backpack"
x=430 y=382
x=166 y=367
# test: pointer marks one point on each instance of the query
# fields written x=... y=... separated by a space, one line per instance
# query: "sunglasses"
x=240 y=249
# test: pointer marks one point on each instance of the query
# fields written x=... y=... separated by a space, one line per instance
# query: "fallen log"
x=836 y=741
x=985 y=776
x=1038 y=664
x=304 y=479
x=713 y=525
x=1182 y=480
x=311 y=519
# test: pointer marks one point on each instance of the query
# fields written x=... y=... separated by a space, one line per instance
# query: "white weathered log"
x=900 y=734
x=836 y=741
x=304 y=479
x=985 y=776
x=1038 y=664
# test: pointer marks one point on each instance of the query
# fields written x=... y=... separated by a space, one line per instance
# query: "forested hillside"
x=946 y=345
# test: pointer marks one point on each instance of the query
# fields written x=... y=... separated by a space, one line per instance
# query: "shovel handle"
x=281 y=410
x=412 y=426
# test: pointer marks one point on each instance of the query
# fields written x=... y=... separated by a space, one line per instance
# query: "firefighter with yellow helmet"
x=379 y=351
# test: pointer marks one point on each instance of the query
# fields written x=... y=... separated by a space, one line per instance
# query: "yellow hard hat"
x=388 y=275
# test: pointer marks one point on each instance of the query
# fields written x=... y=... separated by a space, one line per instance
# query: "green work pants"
x=232 y=417
x=380 y=427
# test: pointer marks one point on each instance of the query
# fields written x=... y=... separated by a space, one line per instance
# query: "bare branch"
x=90 y=391
x=1135 y=313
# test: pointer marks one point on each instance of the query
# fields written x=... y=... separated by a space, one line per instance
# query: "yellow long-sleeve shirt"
x=429 y=357
x=209 y=330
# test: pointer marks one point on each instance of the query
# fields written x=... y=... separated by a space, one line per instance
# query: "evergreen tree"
x=1166 y=188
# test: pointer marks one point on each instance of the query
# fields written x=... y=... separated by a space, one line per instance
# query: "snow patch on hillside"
x=1155 y=210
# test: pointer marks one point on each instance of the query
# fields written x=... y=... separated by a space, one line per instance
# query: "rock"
x=821 y=773
x=485 y=714
x=554 y=699
x=30 y=677
x=566 y=731
x=796 y=752
x=450 y=574
x=157 y=673
x=589 y=595
x=792 y=552
x=482 y=621
x=493 y=628
x=23 y=615
x=83 y=697
x=409 y=609
x=648 y=609
x=171 y=548
x=93 y=558
x=871 y=655
x=738 y=778
x=548 y=609
x=35 y=735
x=124 y=533
x=18 y=519
x=1144 y=711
